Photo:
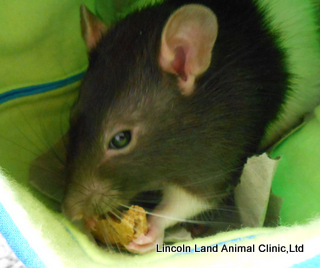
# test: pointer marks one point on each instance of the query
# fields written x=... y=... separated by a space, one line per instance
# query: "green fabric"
x=297 y=179
x=40 y=42
x=119 y=9
x=297 y=23
x=60 y=244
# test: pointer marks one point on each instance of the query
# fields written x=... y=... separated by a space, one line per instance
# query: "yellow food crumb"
x=122 y=231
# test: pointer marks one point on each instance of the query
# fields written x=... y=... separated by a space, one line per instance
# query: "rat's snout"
x=89 y=199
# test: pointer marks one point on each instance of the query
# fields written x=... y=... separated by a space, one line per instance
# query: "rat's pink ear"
x=186 y=44
x=92 y=28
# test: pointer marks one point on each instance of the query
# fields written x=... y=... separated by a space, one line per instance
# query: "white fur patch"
x=177 y=205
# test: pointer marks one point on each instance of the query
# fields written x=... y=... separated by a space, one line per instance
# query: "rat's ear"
x=92 y=28
x=186 y=44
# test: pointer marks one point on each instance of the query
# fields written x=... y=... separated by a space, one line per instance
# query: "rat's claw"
x=146 y=243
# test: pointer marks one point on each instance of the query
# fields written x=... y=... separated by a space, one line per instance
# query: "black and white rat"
x=176 y=97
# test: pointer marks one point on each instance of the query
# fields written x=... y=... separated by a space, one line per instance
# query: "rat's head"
x=134 y=128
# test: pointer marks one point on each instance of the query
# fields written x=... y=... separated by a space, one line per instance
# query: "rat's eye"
x=120 y=140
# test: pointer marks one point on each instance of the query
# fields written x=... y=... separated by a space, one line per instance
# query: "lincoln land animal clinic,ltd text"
x=263 y=248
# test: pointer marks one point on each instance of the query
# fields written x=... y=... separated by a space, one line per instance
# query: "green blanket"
x=42 y=59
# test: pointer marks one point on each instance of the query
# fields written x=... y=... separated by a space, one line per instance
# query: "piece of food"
x=122 y=231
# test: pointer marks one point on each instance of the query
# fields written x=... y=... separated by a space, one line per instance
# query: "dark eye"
x=120 y=140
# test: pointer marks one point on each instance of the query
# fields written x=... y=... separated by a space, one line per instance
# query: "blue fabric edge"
x=41 y=88
x=29 y=258
x=313 y=262
x=8 y=229
x=17 y=241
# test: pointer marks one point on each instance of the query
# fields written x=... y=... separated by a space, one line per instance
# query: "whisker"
x=39 y=137
x=116 y=214
x=52 y=171
x=166 y=217
x=81 y=186
x=19 y=145
x=146 y=201
x=77 y=203
x=60 y=158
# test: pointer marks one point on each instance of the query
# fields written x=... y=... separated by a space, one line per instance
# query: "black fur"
x=200 y=142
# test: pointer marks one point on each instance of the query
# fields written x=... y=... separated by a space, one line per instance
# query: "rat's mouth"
x=147 y=201
x=123 y=224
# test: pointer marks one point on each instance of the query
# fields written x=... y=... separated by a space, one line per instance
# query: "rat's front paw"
x=148 y=242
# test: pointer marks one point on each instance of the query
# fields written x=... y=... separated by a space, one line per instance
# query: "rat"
x=176 y=97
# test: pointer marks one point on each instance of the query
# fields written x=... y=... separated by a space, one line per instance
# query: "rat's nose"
x=89 y=199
